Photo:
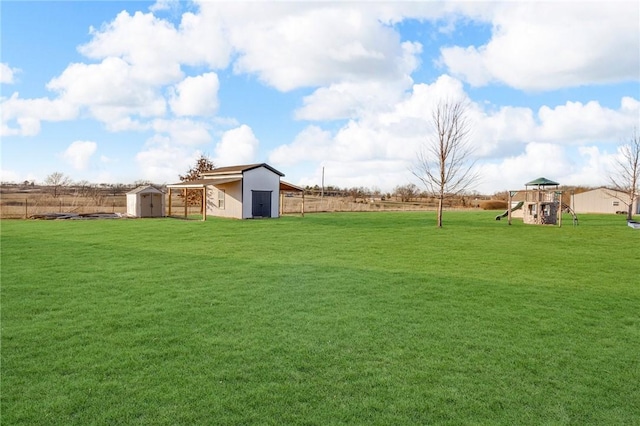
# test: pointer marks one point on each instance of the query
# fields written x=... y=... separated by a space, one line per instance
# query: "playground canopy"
x=541 y=181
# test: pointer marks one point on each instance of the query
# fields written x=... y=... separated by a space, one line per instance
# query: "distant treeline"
x=405 y=193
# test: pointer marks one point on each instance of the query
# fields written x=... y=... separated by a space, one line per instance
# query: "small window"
x=616 y=203
x=221 y=199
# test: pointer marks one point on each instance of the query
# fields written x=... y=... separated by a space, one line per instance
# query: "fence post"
x=26 y=208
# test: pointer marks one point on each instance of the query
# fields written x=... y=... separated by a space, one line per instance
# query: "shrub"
x=493 y=205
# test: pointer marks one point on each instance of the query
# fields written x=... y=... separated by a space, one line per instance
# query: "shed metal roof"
x=199 y=183
x=145 y=189
x=240 y=169
x=286 y=186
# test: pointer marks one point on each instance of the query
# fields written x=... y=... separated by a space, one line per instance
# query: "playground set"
x=542 y=204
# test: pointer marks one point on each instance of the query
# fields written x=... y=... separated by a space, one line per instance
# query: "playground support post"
x=509 y=207
x=558 y=198
x=560 y=212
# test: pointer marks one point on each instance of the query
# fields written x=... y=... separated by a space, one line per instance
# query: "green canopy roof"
x=541 y=181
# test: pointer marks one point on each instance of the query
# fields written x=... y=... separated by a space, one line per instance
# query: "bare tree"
x=625 y=176
x=406 y=192
x=444 y=163
x=358 y=192
x=55 y=181
x=141 y=182
x=98 y=194
x=82 y=188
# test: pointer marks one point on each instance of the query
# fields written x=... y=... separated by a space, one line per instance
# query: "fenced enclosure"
x=19 y=202
x=24 y=201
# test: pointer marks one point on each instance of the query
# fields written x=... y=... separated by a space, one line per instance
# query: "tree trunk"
x=439 y=225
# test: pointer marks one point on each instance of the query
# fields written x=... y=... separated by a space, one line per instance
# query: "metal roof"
x=199 y=183
x=145 y=188
x=542 y=181
x=240 y=169
x=286 y=186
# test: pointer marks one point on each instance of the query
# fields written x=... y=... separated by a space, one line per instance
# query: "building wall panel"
x=261 y=179
x=600 y=200
x=232 y=200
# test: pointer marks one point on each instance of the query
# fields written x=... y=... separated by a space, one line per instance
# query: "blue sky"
x=124 y=91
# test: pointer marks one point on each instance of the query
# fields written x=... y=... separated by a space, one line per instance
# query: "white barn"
x=602 y=200
x=241 y=192
x=145 y=201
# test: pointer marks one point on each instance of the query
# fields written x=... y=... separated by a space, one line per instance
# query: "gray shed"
x=145 y=201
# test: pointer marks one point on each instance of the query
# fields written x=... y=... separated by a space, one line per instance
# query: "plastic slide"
x=506 y=212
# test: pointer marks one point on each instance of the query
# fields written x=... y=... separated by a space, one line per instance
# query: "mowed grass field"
x=352 y=318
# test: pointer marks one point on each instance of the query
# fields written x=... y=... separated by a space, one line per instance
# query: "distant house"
x=602 y=200
x=240 y=192
x=145 y=201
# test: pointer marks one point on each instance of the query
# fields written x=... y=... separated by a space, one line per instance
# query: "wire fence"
x=21 y=205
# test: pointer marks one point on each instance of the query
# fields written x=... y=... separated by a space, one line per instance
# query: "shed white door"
x=150 y=205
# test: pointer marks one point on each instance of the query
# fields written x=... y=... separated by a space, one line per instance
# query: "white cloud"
x=531 y=143
x=594 y=167
x=377 y=147
x=237 y=146
x=139 y=56
x=503 y=131
x=26 y=126
x=350 y=99
x=587 y=166
x=424 y=97
x=575 y=122
x=162 y=161
x=311 y=143
x=149 y=45
x=287 y=45
x=542 y=46
x=111 y=90
x=79 y=153
x=164 y=5
x=23 y=116
x=9 y=176
x=538 y=159
x=393 y=133
x=196 y=96
x=204 y=39
x=183 y=131
x=156 y=48
x=7 y=73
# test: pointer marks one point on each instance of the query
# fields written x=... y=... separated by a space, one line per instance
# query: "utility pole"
x=322 y=191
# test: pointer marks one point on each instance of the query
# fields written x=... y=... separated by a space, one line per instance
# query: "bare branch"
x=56 y=181
x=625 y=176
x=444 y=164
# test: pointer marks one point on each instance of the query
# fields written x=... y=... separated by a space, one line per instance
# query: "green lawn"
x=355 y=318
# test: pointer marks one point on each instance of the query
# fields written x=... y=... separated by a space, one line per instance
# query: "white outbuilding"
x=145 y=201
x=603 y=200
x=240 y=192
